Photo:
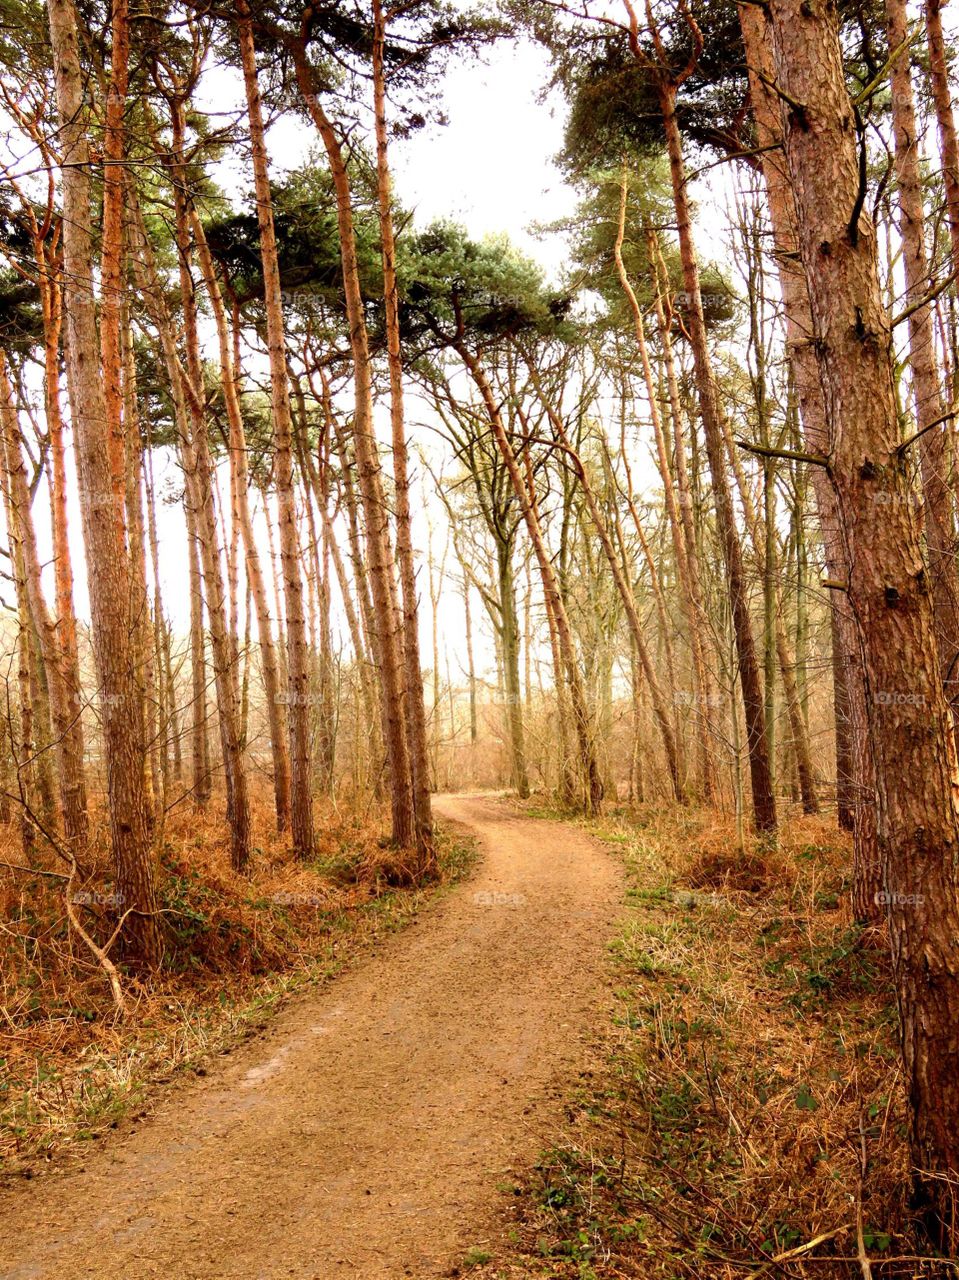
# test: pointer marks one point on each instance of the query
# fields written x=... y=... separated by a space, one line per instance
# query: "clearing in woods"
x=365 y=1132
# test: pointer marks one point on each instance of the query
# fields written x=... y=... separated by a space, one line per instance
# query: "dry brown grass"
x=235 y=947
x=744 y=1114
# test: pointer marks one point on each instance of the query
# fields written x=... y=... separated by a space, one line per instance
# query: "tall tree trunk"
x=301 y=800
x=65 y=618
x=391 y=655
x=22 y=745
x=687 y=591
x=757 y=38
x=512 y=690
x=581 y=717
x=470 y=662
x=940 y=528
x=64 y=709
x=415 y=699
x=170 y=720
x=888 y=591
x=199 y=741
x=112 y=283
x=845 y=783
x=764 y=804
x=190 y=417
x=623 y=587
x=378 y=741
x=138 y=566
x=353 y=620
x=240 y=483
x=103 y=536
x=942 y=96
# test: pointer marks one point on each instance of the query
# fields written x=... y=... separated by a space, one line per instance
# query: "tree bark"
x=102 y=532
x=301 y=800
x=415 y=698
x=385 y=617
x=757 y=38
x=764 y=803
x=945 y=119
x=64 y=710
x=687 y=590
x=240 y=482
x=888 y=590
x=845 y=784
x=940 y=528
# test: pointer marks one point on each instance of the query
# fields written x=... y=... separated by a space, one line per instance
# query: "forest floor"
x=374 y=1127
x=236 y=948
x=740 y=1116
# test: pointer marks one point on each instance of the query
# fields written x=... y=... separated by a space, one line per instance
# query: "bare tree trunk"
x=910 y=720
x=301 y=800
x=22 y=745
x=63 y=709
x=764 y=804
x=170 y=731
x=240 y=483
x=190 y=416
x=435 y=589
x=200 y=748
x=845 y=782
x=687 y=593
x=581 y=718
x=390 y=655
x=812 y=409
x=111 y=260
x=65 y=618
x=378 y=747
x=512 y=690
x=470 y=663
x=317 y=483
x=102 y=518
x=660 y=707
x=940 y=528
x=415 y=698
x=942 y=96
x=356 y=629
x=140 y=602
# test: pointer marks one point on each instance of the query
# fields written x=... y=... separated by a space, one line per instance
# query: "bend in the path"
x=365 y=1133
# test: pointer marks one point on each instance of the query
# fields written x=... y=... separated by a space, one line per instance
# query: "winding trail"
x=364 y=1133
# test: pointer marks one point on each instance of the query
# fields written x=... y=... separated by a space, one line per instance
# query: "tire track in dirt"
x=365 y=1132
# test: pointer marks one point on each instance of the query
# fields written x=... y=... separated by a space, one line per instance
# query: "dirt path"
x=365 y=1132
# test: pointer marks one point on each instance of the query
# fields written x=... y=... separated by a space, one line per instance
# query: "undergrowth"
x=235 y=948
x=744 y=1114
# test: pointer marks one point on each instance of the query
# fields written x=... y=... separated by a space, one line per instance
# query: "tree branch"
x=791 y=455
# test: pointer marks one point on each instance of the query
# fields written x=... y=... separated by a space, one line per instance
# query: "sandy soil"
x=364 y=1134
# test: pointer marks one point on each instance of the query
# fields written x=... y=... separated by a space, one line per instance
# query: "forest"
x=479 y=678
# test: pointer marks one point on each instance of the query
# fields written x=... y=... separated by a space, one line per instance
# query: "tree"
x=665 y=79
x=812 y=409
x=909 y=719
x=103 y=523
x=415 y=704
x=301 y=802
